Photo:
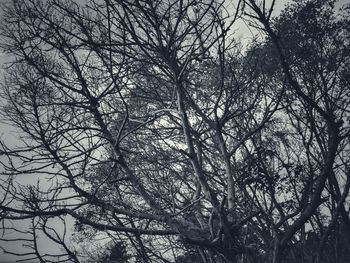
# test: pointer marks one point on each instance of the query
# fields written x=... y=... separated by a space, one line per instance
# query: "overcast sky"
x=8 y=133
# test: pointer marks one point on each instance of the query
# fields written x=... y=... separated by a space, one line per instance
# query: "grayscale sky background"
x=8 y=133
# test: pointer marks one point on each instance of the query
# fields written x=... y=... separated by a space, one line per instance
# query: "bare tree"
x=160 y=135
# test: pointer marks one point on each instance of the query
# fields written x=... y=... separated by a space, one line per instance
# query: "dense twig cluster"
x=151 y=126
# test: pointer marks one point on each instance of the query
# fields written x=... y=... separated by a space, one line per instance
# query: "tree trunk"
x=277 y=252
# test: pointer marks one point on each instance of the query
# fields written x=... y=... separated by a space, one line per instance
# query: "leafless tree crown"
x=165 y=138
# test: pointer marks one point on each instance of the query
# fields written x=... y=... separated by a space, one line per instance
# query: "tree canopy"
x=158 y=136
